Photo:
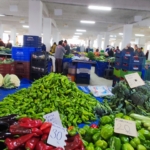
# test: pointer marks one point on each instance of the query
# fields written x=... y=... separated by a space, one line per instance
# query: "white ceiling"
x=123 y=12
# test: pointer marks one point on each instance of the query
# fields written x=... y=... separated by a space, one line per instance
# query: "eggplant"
x=4 y=126
x=2 y=146
x=9 y=117
x=5 y=135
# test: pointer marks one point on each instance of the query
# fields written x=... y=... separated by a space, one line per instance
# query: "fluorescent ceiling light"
x=75 y=36
x=7 y=31
x=80 y=30
x=79 y=33
x=120 y=33
x=1 y=15
x=25 y=26
x=99 y=8
x=139 y=35
x=86 y=21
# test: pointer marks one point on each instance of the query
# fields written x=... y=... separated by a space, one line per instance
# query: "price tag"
x=125 y=127
x=57 y=136
x=53 y=118
x=134 y=80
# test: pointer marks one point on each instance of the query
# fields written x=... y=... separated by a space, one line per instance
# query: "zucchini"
x=139 y=117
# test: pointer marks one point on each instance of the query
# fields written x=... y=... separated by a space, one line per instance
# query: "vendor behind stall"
x=67 y=47
x=59 y=53
x=139 y=53
x=53 y=48
x=96 y=53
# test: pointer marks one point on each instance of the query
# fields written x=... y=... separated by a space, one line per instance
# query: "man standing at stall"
x=59 y=53
x=67 y=47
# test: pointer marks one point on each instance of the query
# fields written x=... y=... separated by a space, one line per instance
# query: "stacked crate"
x=71 y=72
x=22 y=56
x=83 y=73
x=127 y=63
x=40 y=65
x=100 y=68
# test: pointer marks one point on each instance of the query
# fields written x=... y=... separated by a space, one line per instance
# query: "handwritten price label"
x=53 y=118
x=57 y=136
x=125 y=127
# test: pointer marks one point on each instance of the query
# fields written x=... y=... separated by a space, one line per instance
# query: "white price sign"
x=53 y=118
x=57 y=136
x=125 y=127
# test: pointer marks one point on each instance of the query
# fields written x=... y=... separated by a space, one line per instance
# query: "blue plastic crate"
x=132 y=66
x=83 y=75
x=127 y=53
x=139 y=60
x=99 y=72
x=102 y=64
x=118 y=59
x=118 y=54
x=69 y=60
x=126 y=59
x=49 y=66
x=22 y=53
x=118 y=65
x=83 y=65
x=31 y=38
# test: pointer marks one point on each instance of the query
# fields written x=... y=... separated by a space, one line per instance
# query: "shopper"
x=135 y=48
x=67 y=47
x=111 y=53
x=107 y=49
x=43 y=47
x=53 y=48
x=117 y=49
x=128 y=48
x=139 y=53
x=96 y=53
x=2 y=43
x=59 y=53
x=87 y=49
x=8 y=45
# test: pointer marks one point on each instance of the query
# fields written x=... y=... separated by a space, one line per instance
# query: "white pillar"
x=137 y=40
x=106 y=41
x=99 y=41
x=47 y=32
x=1 y=31
x=35 y=17
x=91 y=43
x=13 y=36
x=127 y=35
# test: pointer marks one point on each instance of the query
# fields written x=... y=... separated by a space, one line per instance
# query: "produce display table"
x=83 y=61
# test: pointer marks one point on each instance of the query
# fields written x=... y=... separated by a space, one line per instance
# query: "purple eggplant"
x=4 y=126
x=5 y=135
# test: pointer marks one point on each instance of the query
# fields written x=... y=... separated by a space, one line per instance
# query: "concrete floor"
x=95 y=80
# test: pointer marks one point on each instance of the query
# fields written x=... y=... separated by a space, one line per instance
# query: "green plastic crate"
x=124 y=72
x=117 y=72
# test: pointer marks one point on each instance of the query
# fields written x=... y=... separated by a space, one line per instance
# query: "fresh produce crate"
x=127 y=53
x=118 y=65
x=139 y=60
x=115 y=80
x=22 y=67
x=118 y=54
x=126 y=59
x=82 y=80
x=118 y=59
x=132 y=66
x=102 y=64
x=99 y=72
x=83 y=75
x=117 y=72
x=23 y=75
x=67 y=60
x=83 y=65
x=22 y=53
x=125 y=72
x=7 y=69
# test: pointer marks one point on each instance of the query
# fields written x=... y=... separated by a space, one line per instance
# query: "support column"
x=1 y=31
x=137 y=40
x=35 y=17
x=106 y=41
x=13 y=36
x=99 y=41
x=127 y=35
x=91 y=43
x=47 y=24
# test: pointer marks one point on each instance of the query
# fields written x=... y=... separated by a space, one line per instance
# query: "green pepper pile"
x=50 y=93
x=104 y=138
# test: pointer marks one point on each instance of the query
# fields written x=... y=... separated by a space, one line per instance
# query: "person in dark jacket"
x=8 y=45
x=111 y=53
x=2 y=43
x=43 y=47
x=67 y=47
x=139 y=53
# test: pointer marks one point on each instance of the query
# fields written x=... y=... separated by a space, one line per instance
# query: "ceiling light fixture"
x=80 y=30
x=25 y=26
x=7 y=31
x=79 y=33
x=88 y=22
x=75 y=36
x=99 y=8
x=139 y=35
x=120 y=33
x=1 y=15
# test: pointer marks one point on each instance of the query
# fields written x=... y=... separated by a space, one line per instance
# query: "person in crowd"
x=139 y=52
x=53 y=48
x=111 y=52
x=135 y=48
x=147 y=54
x=96 y=53
x=87 y=49
x=2 y=43
x=78 y=48
x=107 y=49
x=8 y=45
x=67 y=47
x=59 y=53
x=128 y=48
x=43 y=47
x=117 y=49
